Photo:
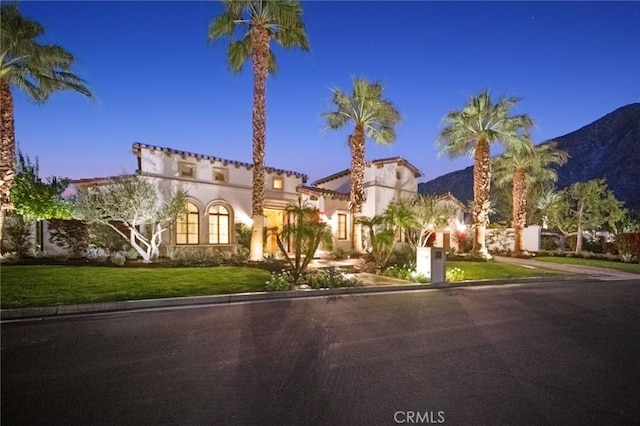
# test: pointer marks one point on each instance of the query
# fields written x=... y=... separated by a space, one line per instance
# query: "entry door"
x=272 y=218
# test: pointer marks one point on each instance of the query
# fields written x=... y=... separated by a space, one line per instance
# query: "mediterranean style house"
x=220 y=195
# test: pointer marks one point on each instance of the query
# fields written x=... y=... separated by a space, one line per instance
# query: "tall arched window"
x=218 y=225
x=187 y=226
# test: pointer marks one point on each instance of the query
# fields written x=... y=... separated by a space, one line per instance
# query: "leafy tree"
x=525 y=169
x=36 y=69
x=420 y=216
x=374 y=118
x=305 y=231
x=471 y=131
x=37 y=199
x=260 y=22
x=144 y=209
x=69 y=233
x=581 y=207
x=630 y=222
x=382 y=237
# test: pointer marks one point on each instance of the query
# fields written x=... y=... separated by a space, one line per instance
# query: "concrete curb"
x=226 y=299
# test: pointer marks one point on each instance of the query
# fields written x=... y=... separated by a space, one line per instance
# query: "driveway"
x=549 y=353
x=588 y=272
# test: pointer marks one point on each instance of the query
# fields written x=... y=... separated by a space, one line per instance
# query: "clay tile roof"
x=321 y=192
x=399 y=160
x=137 y=146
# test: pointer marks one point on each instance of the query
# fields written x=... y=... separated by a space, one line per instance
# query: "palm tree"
x=526 y=170
x=373 y=117
x=471 y=131
x=261 y=22
x=38 y=70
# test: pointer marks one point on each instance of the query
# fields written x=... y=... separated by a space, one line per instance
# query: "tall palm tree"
x=260 y=22
x=471 y=131
x=374 y=118
x=525 y=169
x=38 y=70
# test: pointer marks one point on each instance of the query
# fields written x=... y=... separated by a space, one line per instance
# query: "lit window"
x=219 y=175
x=187 y=226
x=187 y=170
x=278 y=183
x=218 y=225
x=342 y=226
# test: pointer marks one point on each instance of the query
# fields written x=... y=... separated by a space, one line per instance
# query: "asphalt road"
x=564 y=353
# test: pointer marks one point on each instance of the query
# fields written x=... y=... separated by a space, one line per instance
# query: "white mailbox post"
x=432 y=263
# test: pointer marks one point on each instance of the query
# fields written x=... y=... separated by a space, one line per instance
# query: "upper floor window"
x=187 y=169
x=218 y=225
x=278 y=183
x=187 y=226
x=220 y=175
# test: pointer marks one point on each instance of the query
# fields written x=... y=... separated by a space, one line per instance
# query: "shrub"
x=131 y=254
x=594 y=246
x=331 y=278
x=96 y=253
x=464 y=242
x=406 y=272
x=101 y=235
x=71 y=234
x=19 y=236
x=38 y=253
x=243 y=235
x=10 y=257
x=628 y=245
x=403 y=254
x=609 y=247
x=118 y=258
x=279 y=281
x=455 y=274
x=193 y=256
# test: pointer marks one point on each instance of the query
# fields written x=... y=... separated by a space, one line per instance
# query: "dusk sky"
x=158 y=81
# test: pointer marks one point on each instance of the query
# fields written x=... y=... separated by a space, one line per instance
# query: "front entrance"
x=272 y=219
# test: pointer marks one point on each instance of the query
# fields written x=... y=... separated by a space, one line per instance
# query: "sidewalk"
x=588 y=272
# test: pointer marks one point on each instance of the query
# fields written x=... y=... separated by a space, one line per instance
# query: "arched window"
x=187 y=226
x=218 y=225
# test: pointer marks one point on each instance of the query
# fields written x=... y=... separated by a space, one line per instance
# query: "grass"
x=599 y=263
x=494 y=270
x=36 y=286
x=51 y=285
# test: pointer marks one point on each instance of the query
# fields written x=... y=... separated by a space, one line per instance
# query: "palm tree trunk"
x=481 y=191
x=519 y=209
x=7 y=152
x=260 y=61
x=358 y=159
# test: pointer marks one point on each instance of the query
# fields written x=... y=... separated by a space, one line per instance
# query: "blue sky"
x=158 y=81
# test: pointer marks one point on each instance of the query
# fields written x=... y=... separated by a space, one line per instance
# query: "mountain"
x=608 y=148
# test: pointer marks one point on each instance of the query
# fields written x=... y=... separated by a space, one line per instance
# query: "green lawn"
x=599 y=263
x=494 y=270
x=49 y=285
x=30 y=286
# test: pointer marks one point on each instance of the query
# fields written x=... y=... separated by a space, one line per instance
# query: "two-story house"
x=220 y=194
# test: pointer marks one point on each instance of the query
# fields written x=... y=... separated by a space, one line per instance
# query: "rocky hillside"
x=607 y=148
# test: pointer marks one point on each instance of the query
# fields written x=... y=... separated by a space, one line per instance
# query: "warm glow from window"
x=218 y=225
x=342 y=226
x=187 y=226
x=278 y=183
